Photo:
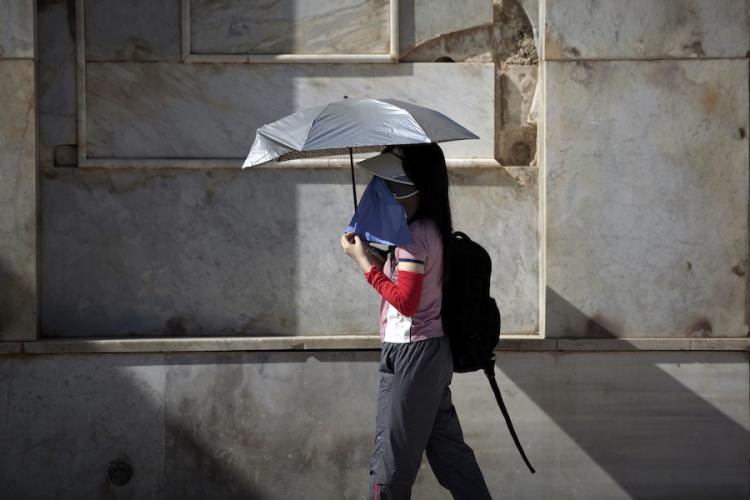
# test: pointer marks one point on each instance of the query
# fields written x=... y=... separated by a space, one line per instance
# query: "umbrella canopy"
x=353 y=125
x=356 y=125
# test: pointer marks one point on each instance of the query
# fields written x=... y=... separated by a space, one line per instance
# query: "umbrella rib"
x=312 y=124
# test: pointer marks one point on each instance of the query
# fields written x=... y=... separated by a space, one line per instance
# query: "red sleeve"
x=403 y=295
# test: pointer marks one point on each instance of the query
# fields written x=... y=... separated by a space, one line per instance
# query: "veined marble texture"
x=133 y=30
x=632 y=29
x=276 y=425
x=647 y=198
x=175 y=252
x=18 y=188
x=289 y=27
x=498 y=208
x=141 y=110
x=57 y=80
x=423 y=20
x=17 y=28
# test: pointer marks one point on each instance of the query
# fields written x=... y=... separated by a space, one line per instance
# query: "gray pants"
x=415 y=414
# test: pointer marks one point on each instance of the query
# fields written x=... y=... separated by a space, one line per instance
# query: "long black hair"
x=425 y=165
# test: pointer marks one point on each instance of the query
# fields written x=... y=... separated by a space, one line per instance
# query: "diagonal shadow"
x=646 y=429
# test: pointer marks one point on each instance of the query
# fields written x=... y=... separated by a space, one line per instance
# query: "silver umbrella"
x=356 y=125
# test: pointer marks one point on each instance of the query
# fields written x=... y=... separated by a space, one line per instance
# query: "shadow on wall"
x=267 y=425
x=17 y=304
x=251 y=425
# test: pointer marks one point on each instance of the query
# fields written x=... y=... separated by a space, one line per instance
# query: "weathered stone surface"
x=647 y=198
x=312 y=420
x=423 y=20
x=222 y=252
x=67 y=418
x=290 y=27
x=57 y=79
x=251 y=252
x=353 y=342
x=616 y=422
x=531 y=10
x=18 y=221
x=133 y=30
x=277 y=425
x=635 y=29
x=497 y=207
x=507 y=33
x=212 y=110
x=516 y=137
x=16 y=29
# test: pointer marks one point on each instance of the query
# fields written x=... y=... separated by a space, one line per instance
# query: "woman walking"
x=415 y=412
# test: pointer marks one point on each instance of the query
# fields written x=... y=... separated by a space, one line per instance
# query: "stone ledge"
x=10 y=347
x=353 y=342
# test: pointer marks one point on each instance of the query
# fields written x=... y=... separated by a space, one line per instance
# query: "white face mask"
x=406 y=195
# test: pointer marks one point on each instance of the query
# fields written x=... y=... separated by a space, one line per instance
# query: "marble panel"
x=644 y=29
x=253 y=252
x=608 y=424
x=647 y=198
x=423 y=20
x=279 y=425
x=561 y=402
x=289 y=27
x=212 y=110
x=17 y=29
x=67 y=419
x=133 y=30
x=57 y=78
x=497 y=207
x=18 y=201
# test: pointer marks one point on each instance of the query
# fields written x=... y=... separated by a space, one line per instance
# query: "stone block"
x=290 y=27
x=57 y=78
x=213 y=110
x=643 y=29
x=424 y=20
x=133 y=30
x=251 y=252
x=497 y=207
x=66 y=419
x=18 y=201
x=17 y=29
x=281 y=425
x=647 y=196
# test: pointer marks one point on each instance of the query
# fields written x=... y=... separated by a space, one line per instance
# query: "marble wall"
x=56 y=96
x=643 y=29
x=646 y=169
x=123 y=31
x=184 y=252
x=289 y=27
x=17 y=29
x=271 y=425
x=643 y=236
x=251 y=252
x=133 y=30
x=18 y=177
x=139 y=110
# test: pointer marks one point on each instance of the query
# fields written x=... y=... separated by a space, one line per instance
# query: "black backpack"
x=471 y=318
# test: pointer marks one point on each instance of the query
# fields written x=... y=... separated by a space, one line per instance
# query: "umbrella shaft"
x=354 y=190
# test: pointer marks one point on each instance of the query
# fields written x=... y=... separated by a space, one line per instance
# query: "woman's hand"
x=355 y=248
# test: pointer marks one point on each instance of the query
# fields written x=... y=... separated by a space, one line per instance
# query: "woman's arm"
x=405 y=294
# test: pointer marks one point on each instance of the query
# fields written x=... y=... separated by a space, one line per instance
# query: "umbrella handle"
x=354 y=191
